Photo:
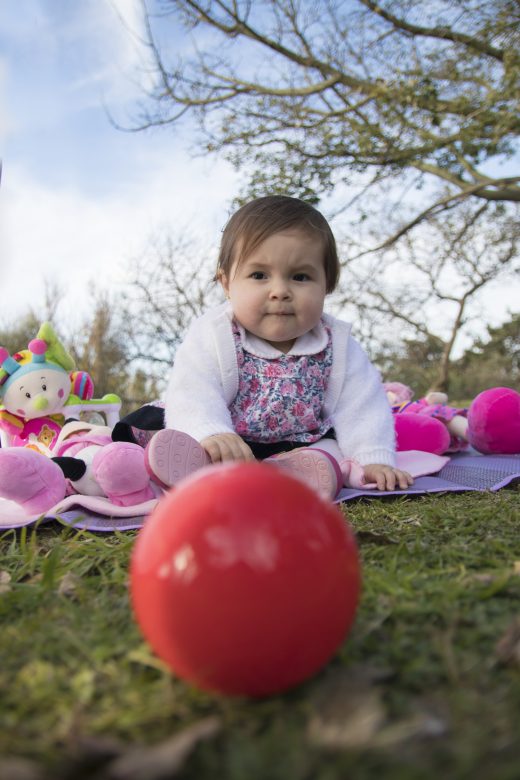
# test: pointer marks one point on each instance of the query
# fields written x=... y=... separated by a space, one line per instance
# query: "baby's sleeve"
x=363 y=420
x=195 y=401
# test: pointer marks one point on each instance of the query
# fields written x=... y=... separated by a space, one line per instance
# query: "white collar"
x=309 y=344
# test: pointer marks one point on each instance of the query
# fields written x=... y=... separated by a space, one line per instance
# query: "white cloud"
x=7 y=122
x=110 y=36
x=78 y=199
x=64 y=235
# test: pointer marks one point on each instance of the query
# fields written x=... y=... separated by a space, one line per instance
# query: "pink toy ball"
x=244 y=581
x=81 y=384
x=494 y=421
x=418 y=432
x=38 y=346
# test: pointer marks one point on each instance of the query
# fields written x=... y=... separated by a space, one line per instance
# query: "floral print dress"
x=281 y=399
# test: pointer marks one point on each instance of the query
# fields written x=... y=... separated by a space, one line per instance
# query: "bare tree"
x=16 y=336
x=306 y=95
x=493 y=360
x=169 y=285
x=98 y=347
x=429 y=286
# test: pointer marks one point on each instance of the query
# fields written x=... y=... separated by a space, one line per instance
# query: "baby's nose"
x=280 y=289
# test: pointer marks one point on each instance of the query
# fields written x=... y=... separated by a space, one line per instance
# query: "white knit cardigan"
x=204 y=382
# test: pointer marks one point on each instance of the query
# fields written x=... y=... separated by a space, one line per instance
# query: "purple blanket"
x=467 y=471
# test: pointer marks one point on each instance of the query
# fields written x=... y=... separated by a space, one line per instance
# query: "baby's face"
x=278 y=291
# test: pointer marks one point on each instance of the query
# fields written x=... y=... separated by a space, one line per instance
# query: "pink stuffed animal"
x=86 y=461
x=91 y=464
x=414 y=432
x=47 y=458
x=428 y=424
x=494 y=421
x=490 y=425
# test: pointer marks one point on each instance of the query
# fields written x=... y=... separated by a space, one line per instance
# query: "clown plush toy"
x=35 y=385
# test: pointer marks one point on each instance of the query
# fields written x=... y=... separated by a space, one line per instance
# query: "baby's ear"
x=224 y=282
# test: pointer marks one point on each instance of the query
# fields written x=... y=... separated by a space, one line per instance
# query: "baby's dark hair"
x=263 y=217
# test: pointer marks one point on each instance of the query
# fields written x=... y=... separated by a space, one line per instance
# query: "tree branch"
x=442 y=33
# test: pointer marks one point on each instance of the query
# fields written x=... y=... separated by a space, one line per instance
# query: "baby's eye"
x=257 y=275
x=301 y=277
x=27 y=395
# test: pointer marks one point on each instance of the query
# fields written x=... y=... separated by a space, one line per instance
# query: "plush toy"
x=414 y=432
x=87 y=461
x=491 y=424
x=430 y=422
x=34 y=388
x=48 y=458
x=39 y=390
x=494 y=421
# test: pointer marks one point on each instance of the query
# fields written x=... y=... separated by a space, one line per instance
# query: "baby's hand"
x=387 y=477
x=226 y=447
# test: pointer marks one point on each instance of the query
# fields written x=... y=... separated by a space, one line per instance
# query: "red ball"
x=244 y=581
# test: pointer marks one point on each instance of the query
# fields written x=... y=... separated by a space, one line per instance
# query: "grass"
x=428 y=681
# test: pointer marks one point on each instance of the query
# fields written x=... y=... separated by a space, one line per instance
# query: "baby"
x=267 y=375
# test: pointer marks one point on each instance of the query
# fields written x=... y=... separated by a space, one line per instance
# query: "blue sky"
x=78 y=197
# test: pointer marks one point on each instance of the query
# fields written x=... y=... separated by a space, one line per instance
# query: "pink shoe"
x=172 y=455
x=315 y=467
x=31 y=479
x=120 y=471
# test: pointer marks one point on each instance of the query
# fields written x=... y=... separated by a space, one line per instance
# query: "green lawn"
x=428 y=682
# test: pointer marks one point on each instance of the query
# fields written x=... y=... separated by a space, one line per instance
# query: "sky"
x=79 y=199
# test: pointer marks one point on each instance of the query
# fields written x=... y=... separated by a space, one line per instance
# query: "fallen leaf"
x=349 y=710
x=507 y=649
x=144 y=656
x=5 y=581
x=34 y=579
x=413 y=520
x=484 y=579
x=420 y=726
x=89 y=754
x=101 y=748
x=357 y=725
x=374 y=538
x=19 y=769
x=68 y=584
x=164 y=760
x=350 y=714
